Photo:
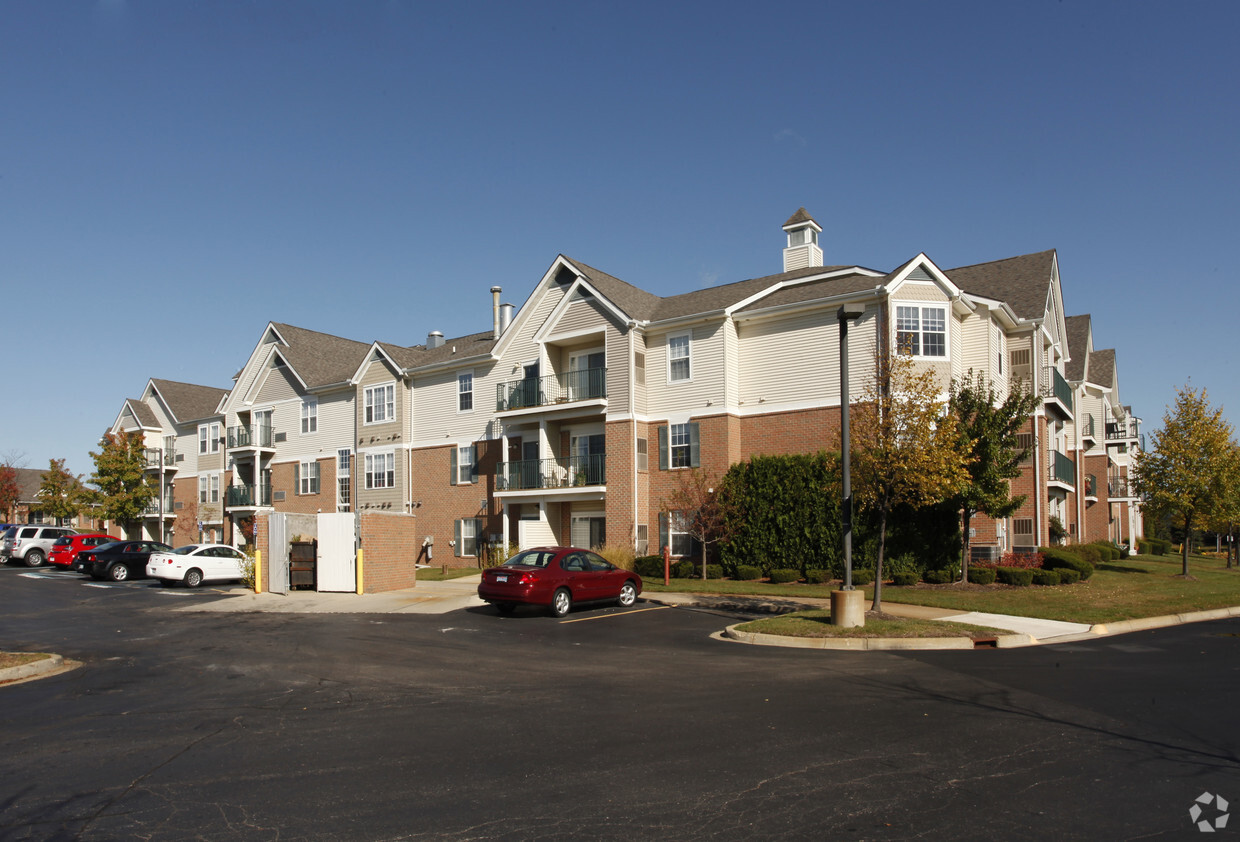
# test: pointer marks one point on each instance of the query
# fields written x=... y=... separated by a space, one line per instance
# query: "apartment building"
x=570 y=420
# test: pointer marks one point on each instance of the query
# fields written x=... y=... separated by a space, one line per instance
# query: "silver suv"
x=31 y=543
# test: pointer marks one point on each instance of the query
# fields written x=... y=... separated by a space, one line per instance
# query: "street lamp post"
x=846 y=604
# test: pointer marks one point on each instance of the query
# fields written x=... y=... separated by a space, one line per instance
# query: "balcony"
x=536 y=474
x=1123 y=431
x=1062 y=470
x=554 y=389
x=251 y=435
x=158 y=458
x=1120 y=488
x=1091 y=487
x=1088 y=432
x=1056 y=391
x=247 y=496
x=152 y=508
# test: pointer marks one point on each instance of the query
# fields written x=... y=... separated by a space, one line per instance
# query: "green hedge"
x=685 y=569
x=904 y=579
x=863 y=577
x=714 y=571
x=648 y=566
x=816 y=576
x=783 y=577
x=1046 y=577
x=1068 y=576
x=938 y=577
x=1055 y=558
x=747 y=572
x=1087 y=552
x=982 y=575
x=1018 y=576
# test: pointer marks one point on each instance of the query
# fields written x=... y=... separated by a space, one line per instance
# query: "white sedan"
x=194 y=564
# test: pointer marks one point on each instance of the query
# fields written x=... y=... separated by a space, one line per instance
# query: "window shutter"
x=297 y=478
x=456 y=471
x=663 y=534
x=695 y=447
x=473 y=468
x=663 y=449
x=457 y=546
x=314 y=479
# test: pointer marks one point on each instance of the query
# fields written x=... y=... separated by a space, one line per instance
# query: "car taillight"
x=89 y=557
x=527 y=579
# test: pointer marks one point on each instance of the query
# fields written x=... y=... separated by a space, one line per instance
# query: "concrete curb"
x=35 y=669
x=856 y=644
x=1164 y=621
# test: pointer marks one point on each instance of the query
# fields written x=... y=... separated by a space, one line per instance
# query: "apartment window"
x=999 y=345
x=343 y=489
x=639 y=369
x=380 y=402
x=309 y=415
x=215 y=488
x=464 y=460
x=202 y=439
x=467 y=530
x=465 y=391
x=643 y=455
x=679 y=446
x=921 y=331
x=643 y=539
x=380 y=470
x=673 y=534
x=678 y=366
x=307 y=479
x=202 y=489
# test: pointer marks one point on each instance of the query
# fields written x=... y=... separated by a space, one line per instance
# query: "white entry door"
x=337 y=560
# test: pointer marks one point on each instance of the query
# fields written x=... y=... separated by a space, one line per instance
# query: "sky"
x=176 y=174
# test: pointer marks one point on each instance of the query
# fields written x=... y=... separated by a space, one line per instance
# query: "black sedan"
x=119 y=560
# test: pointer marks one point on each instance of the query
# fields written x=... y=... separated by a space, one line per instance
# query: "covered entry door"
x=337 y=560
x=277 y=562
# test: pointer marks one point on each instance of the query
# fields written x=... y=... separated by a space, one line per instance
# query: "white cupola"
x=803 y=249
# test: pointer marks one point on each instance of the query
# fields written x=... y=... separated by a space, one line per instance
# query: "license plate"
x=501 y=578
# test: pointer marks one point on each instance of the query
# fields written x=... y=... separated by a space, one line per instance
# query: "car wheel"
x=118 y=572
x=193 y=578
x=628 y=594
x=35 y=558
x=561 y=603
x=505 y=607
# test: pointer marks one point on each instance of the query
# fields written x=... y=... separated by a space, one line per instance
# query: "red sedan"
x=64 y=551
x=557 y=577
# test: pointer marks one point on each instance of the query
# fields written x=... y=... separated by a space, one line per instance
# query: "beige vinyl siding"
x=617 y=371
x=731 y=364
x=706 y=371
x=523 y=348
x=435 y=417
x=277 y=384
x=639 y=394
x=377 y=373
x=253 y=369
x=796 y=360
x=370 y=498
x=920 y=291
x=580 y=315
x=335 y=426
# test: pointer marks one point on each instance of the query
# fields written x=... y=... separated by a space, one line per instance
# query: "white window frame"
x=465 y=464
x=675 y=519
x=215 y=488
x=471 y=523
x=385 y=472
x=202 y=439
x=309 y=416
x=643 y=453
x=463 y=379
x=202 y=488
x=674 y=356
x=675 y=431
x=905 y=325
x=308 y=477
x=344 y=480
x=379 y=403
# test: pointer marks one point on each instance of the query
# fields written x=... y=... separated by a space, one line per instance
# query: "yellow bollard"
x=258 y=571
x=361 y=582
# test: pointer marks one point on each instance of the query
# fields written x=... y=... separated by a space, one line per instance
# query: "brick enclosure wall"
x=1097 y=526
x=391 y=544
x=443 y=504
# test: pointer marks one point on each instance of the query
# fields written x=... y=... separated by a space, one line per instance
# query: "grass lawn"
x=817 y=623
x=437 y=574
x=16 y=659
x=1140 y=586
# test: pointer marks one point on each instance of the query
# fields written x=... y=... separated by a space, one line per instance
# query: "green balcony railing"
x=1119 y=487
x=1087 y=426
x=249 y=435
x=1063 y=469
x=155 y=457
x=243 y=496
x=529 y=474
x=1058 y=388
x=581 y=385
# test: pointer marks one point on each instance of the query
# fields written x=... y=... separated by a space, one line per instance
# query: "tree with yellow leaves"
x=905 y=448
x=1186 y=472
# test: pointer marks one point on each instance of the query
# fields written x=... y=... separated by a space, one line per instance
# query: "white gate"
x=277 y=553
x=337 y=559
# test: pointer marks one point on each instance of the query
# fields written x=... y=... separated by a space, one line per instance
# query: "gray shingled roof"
x=320 y=359
x=29 y=480
x=1023 y=282
x=823 y=288
x=144 y=414
x=1078 y=328
x=802 y=215
x=1102 y=368
x=189 y=402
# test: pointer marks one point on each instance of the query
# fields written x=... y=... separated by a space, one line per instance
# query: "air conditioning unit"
x=277 y=496
x=984 y=553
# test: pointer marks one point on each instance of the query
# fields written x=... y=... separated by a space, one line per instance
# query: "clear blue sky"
x=175 y=174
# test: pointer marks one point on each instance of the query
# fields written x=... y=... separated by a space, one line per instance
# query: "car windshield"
x=105 y=547
x=530 y=558
x=188 y=549
x=10 y=532
x=63 y=542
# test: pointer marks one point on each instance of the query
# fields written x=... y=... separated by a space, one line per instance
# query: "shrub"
x=248 y=572
x=1057 y=559
x=817 y=577
x=1088 y=553
x=621 y=555
x=1158 y=546
x=904 y=578
x=1018 y=576
x=648 y=566
x=684 y=569
x=1143 y=546
x=714 y=571
x=783 y=577
x=1068 y=576
x=938 y=577
x=1028 y=561
x=1110 y=550
x=1046 y=577
x=981 y=575
x=747 y=572
x=863 y=577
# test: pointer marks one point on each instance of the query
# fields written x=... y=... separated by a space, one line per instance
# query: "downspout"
x=1039 y=489
x=633 y=461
